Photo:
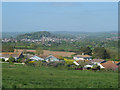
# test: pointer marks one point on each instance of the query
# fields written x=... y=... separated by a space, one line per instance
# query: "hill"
x=11 y=34
x=68 y=35
x=35 y=35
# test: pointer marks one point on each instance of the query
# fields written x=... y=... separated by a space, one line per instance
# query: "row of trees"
x=97 y=52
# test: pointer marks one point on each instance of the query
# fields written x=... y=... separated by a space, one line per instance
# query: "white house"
x=36 y=58
x=51 y=58
x=82 y=57
x=6 y=56
x=96 y=61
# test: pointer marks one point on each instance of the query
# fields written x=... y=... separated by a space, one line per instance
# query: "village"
x=53 y=58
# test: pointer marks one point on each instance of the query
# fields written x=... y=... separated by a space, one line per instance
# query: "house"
x=82 y=57
x=97 y=61
x=51 y=58
x=92 y=65
x=36 y=58
x=6 y=56
x=110 y=65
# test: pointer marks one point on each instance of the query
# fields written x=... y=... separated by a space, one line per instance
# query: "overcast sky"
x=67 y=16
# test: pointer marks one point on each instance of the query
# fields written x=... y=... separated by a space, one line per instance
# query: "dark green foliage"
x=85 y=50
x=19 y=60
x=100 y=52
x=32 y=53
x=11 y=59
x=3 y=60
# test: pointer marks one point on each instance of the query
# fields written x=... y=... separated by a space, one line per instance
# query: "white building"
x=36 y=58
x=51 y=59
x=82 y=57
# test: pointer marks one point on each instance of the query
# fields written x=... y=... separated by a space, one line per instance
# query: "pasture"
x=21 y=76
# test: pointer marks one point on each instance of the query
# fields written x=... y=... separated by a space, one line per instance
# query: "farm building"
x=82 y=57
x=51 y=58
x=36 y=58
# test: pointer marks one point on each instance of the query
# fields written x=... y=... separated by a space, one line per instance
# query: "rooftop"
x=109 y=65
x=83 y=56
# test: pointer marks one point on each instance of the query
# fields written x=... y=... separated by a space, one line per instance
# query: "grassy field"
x=19 y=76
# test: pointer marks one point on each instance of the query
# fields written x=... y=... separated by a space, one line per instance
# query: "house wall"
x=77 y=58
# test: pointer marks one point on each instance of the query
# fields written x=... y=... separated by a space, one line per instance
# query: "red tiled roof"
x=109 y=65
x=97 y=60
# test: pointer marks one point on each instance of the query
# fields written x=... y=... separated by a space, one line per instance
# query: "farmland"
x=47 y=52
x=19 y=76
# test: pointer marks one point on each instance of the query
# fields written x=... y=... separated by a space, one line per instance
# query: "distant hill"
x=35 y=35
x=60 y=34
x=11 y=34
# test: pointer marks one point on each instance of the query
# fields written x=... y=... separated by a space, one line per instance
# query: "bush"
x=3 y=60
x=19 y=60
x=68 y=61
x=11 y=59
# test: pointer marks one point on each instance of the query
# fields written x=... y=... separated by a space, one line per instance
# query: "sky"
x=59 y=16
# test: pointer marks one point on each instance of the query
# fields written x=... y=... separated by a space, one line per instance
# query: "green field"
x=20 y=76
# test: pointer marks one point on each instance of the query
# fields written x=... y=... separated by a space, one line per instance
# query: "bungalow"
x=97 y=61
x=51 y=58
x=82 y=57
x=36 y=58
x=6 y=56
x=109 y=65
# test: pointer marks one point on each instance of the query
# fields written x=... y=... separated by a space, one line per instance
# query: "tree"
x=100 y=52
x=19 y=60
x=3 y=60
x=11 y=59
x=39 y=51
x=85 y=50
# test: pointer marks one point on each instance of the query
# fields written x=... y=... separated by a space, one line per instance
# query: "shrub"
x=69 y=61
x=11 y=59
x=19 y=60
x=3 y=60
x=61 y=58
